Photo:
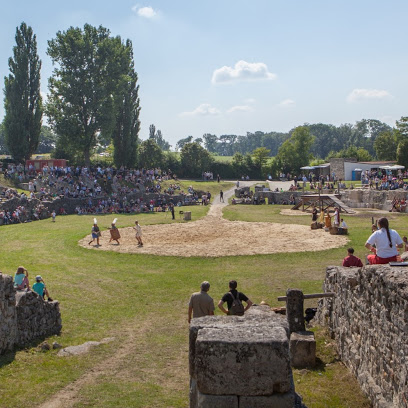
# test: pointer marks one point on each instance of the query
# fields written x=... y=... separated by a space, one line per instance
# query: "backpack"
x=237 y=308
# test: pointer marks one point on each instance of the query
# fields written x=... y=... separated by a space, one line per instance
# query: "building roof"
x=381 y=163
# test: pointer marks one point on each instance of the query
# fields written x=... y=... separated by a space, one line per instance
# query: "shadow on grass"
x=7 y=358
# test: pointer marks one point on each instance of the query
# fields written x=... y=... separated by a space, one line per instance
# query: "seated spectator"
x=21 y=279
x=350 y=260
x=40 y=288
x=405 y=241
x=343 y=228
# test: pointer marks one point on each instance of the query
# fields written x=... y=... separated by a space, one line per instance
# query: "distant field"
x=34 y=156
x=223 y=159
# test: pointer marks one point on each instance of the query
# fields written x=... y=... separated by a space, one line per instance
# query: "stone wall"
x=368 y=317
x=25 y=316
x=241 y=362
x=36 y=318
x=8 y=314
x=367 y=198
x=337 y=166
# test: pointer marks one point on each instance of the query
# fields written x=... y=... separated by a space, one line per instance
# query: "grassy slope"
x=110 y=294
x=212 y=186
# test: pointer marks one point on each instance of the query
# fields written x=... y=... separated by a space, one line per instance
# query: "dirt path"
x=67 y=397
x=131 y=359
x=214 y=236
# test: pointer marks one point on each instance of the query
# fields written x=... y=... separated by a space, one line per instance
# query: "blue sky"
x=232 y=66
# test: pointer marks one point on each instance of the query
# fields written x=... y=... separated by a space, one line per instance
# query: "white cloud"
x=359 y=94
x=240 y=108
x=146 y=12
x=205 y=109
x=242 y=71
x=287 y=103
x=250 y=100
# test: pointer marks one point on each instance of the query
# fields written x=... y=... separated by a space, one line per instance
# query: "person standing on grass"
x=201 y=303
x=386 y=241
x=138 y=230
x=234 y=301
x=221 y=196
x=336 y=217
x=172 y=211
x=53 y=215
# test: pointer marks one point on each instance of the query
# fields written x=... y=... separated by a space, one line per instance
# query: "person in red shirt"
x=351 y=260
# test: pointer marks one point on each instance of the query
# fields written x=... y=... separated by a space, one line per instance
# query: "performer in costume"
x=115 y=235
x=96 y=233
x=138 y=230
x=327 y=220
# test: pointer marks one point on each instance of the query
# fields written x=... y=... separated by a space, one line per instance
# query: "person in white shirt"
x=386 y=241
x=138 y=230
x=343 y=227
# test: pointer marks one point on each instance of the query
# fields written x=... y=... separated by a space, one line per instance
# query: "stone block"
x=216 y=401
x=259 y=316
x=302 y=349
x=294 y=310
x=242 y=360
x=193 y=393
x=286 y=400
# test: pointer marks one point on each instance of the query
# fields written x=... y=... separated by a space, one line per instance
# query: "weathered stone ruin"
x=368 y=317
x=381 y=200
x=25 y=316
x=241 y=361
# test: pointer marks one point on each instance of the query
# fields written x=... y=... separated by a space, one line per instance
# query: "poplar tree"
x=125 y=134
x=23 y=103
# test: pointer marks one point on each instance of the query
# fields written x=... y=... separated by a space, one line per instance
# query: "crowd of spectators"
x=381 y=180
x=22 y=214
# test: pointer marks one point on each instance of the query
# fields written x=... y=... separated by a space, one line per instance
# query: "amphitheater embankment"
x=25 y=316
x=353 y=198
x=368 y=318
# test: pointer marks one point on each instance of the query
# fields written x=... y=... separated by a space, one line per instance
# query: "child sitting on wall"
x=21 y=279
x=40 y=288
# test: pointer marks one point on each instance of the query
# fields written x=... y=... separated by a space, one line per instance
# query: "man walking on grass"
x=221 y=196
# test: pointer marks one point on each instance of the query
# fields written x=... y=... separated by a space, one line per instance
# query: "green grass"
x=141 y=300
x=212 y=186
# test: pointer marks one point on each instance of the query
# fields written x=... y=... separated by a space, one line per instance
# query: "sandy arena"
x=213 y=236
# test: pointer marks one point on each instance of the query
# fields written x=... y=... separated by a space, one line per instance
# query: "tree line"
x=329 y=140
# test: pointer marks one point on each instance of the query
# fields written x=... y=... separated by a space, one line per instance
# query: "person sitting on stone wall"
x=351 y=261
x=40 y=288
x=386 y=241
x=21 y=279
x=343 y=228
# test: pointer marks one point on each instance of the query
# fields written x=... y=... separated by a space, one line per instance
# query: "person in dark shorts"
x=230 y=296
